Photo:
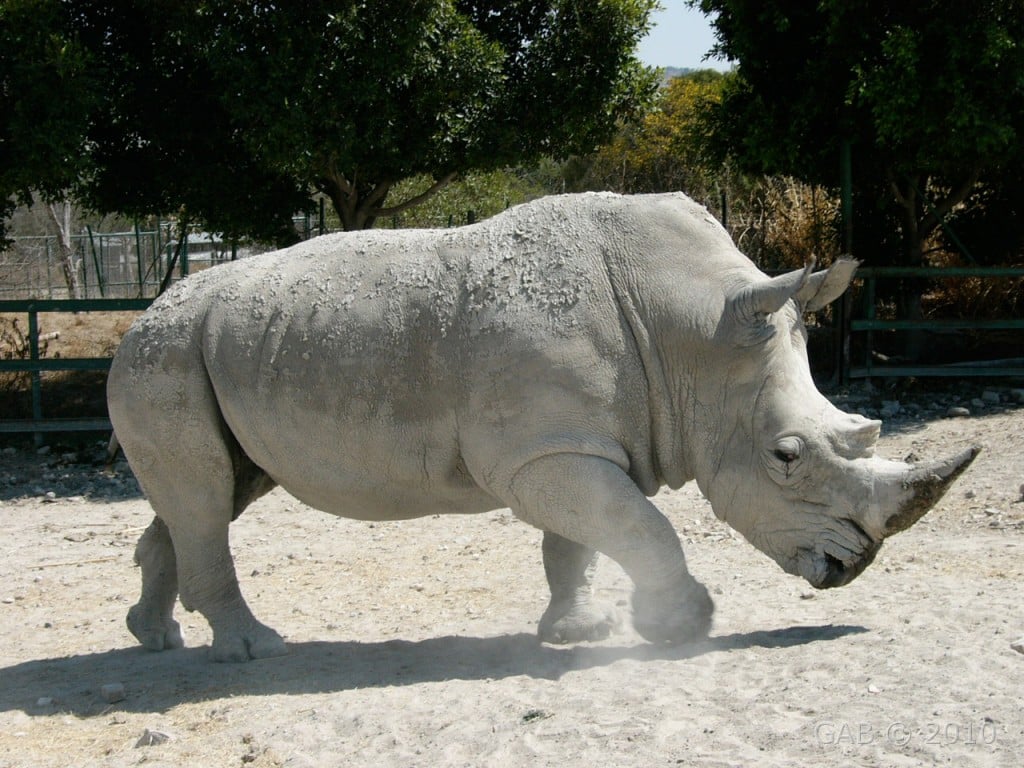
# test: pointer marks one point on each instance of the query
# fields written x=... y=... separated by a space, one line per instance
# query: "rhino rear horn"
x=928 y=483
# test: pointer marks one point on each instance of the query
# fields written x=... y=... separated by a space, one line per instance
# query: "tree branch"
x=940 y=210
x=413 y=201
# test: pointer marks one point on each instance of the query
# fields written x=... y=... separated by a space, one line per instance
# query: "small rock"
x=151 y=739
x=977 y=402
x=44 y=701
x=536 y=714
x=50 y=497
x=112 y=692
x=991 y=396
x=872 y=688
x=1017 y=395
x=890 y=408
x=957 y=411
x=1018 y=645
x=971 y=494
x=44 y=451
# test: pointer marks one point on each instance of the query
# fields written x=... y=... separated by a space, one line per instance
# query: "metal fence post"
x=37 y=376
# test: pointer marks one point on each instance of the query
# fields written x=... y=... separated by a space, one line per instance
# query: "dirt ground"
x=412 y=643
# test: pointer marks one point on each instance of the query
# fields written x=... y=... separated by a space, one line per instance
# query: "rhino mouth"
x=824 y=570
x=838 y=573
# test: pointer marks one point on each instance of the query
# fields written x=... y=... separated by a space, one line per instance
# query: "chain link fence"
x=114 y=265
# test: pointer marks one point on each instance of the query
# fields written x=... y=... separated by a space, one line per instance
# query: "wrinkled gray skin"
x=565 y=359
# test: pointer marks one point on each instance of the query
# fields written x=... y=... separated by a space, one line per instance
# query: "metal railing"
x=35 y=364
x=870 y=324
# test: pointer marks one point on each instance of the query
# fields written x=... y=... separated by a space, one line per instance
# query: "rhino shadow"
x=157 y=682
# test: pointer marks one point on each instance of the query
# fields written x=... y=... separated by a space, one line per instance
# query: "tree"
x=47 y=89
x=369 y=94
x=774 y=220
x=241 y=112
x=929 y=94
x=663 y=151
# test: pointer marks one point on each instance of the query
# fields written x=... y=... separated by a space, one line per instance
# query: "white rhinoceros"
x=566 y=358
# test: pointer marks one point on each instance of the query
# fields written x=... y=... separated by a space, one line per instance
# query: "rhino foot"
x=155 y=632
x=252 y=641
x=680 y=614
x=574 y=623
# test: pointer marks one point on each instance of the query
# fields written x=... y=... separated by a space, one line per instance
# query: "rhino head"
x=796 y=476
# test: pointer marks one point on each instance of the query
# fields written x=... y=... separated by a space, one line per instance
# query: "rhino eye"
x=787 y=450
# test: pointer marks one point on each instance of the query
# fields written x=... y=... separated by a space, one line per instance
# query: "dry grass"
x=69 y=335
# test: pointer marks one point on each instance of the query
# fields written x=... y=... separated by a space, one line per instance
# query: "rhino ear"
x=822 y=288
x=768 y=296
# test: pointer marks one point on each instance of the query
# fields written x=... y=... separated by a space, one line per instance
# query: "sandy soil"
x=412 y=644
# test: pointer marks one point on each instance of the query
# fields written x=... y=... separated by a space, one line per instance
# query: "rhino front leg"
x=572 y=616
x=151 y=619
x=592 y=501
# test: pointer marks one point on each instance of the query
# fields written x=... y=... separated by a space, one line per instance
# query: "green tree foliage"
x=46 y=90
x=929 y=93
x=664 y=150
x=380 y=91
x=473 y=196
x=777 y=221
x=241 y=111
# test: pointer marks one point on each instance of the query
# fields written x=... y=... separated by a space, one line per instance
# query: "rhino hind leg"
x=197 y=480
x=572 y=615
x=151 y=619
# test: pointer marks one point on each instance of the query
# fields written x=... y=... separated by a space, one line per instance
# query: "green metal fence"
x=36 y=365
x=870 y=324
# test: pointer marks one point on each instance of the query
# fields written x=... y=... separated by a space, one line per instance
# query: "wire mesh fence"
x=105 y=265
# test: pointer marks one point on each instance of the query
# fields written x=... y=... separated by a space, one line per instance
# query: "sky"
x=680 y=37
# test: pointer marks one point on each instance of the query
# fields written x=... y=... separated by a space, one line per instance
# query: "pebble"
x=1018 y=645
x=890 y=408
x=977 y=402
x=991 y=396
x=112 y=692
x=957 y=411
x=151 y=738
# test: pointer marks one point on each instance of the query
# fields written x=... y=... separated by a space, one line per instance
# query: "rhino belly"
x=349 y=441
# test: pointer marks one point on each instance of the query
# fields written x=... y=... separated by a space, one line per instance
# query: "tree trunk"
x=60 y=214
x=920 y=220
x=359 y=206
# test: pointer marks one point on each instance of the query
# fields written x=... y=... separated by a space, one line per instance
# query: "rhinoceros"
x=566 y=359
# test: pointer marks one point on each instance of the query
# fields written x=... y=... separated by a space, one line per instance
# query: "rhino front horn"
x=928 y=482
